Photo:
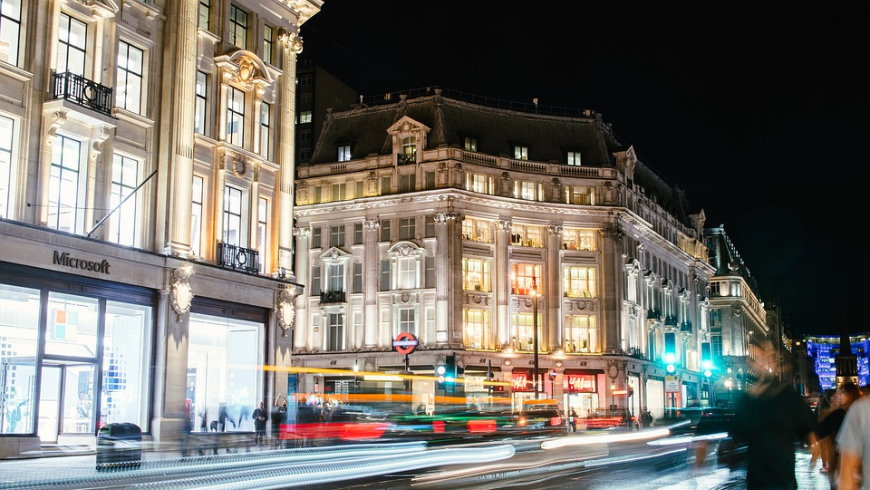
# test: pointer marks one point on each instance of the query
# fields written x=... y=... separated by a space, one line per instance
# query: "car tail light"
x=522 y=421
x=555 y=420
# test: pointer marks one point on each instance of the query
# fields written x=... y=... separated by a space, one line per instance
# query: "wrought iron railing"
x=238 y=258
x=84 y=92
x=686 y=327
x=407 y=158
x=333 y=297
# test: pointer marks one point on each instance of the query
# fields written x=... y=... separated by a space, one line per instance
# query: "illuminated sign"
x=580 y=383
x=521 y=382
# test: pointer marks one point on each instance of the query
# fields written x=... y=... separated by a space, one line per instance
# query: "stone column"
x=301 y=330
x=553 y=334
x=445 y=233
x=502 y=277
x=610 y=287
x=179 y=80
x=371 y=275
x=291 y=45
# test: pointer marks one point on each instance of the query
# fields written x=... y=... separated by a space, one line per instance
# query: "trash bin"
x=119 y=447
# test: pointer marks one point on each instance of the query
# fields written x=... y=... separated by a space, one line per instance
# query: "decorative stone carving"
x=285 y=309
x=180 y=291
x=371 y=225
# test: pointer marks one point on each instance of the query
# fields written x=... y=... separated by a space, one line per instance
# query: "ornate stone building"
x=146 y=202
x=456 y=221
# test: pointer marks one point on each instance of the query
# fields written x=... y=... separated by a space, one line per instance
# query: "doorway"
x=66 y=401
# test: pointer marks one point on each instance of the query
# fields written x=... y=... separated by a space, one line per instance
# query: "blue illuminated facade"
x=823 y=350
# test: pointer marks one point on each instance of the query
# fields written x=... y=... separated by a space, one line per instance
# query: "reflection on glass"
x=78 y=400
x=126 y=354
x=223 y=372
x=49 y=402
x=19 y=322
x=72 y=326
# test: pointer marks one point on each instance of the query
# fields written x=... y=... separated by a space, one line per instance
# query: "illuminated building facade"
x=146 y=168
x=823 y=351
x=425 y=212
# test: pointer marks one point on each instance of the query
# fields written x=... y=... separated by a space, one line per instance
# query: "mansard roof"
x=496 y=131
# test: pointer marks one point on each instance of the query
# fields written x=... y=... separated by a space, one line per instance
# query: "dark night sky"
x=758 y=113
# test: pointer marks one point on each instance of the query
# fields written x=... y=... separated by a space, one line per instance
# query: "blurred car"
x=607 y=419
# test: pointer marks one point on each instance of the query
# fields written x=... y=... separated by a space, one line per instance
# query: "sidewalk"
x=807 y=478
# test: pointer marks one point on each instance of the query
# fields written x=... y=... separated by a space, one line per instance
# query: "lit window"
x=579 y=282
x=526 y=279
x=265 y=117
x=196 y=215
x=579 y=239
x=335 y=277
x=479 y=183
x=475 y=275
x=521 y=152
x=10 y=28
x=268 y=43
x=527 y=236
x=580 y=333
x=573 y=158
x=203 y=16
x=475 y=326
x=72 y=35
x=407 y=273
x=7 y=132
x=235 y=116
x=524 y=331
x=201 y=103
x=65 y=190
x=124 y=223
x=407 y=320
x=238 y=27
x=344 y=153
x=470 y=144
x=477 y=230
x=408 y=152
x=339 y=192
x=263 y=231
x=129 y=90
x=304 y=117
x=578 y=194
x=232 y=216
x=335 y=331
x=530 y=191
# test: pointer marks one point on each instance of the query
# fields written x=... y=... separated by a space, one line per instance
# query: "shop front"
x=580 y=388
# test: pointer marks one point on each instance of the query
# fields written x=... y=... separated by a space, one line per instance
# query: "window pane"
x=7 y=128
x=223 y=375
x=126 y=361
x=19 y=328
x=10 y=28
x=72 y=326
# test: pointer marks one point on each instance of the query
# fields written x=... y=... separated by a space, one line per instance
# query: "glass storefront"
x=224 y=382
x=94 y=367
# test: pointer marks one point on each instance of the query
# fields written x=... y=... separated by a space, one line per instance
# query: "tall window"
x=232 y=216
x=580 y=333
x=357 y=277
x=407 y=183
x=335 y=331
x=409 y=150
x=578 y=282
x=477 y=230
x=196 y=216
x=130 y=62
x=125 y=222
x=336 y=236
x=524 y=331
x=531 y=191
x=579 y=239
x=475 y=275
x=407 y=228
x=430 y=226
x=360 y=189
x=525 y=277
x=316 y=236
x=339 y=192
x=407 y=273
x=480 y=183
x=203 y=11
x=344 y=153
x=7 y=132
x=268 y=43
x=238 y=27
x=265 y=142
x=201 y=102
x=470 y=144
x=521 y=152
x=335 y=277
x=357 y=233
x=429 y=277
x=385 y=275
x=475 y=326
x=64 y=191
x=716 y=349
x=407 y=321
x=263 y=231
x=72 y=35
x=385 y=230
x=10 y=27
x=527 y=236
x=573 y=158
x=235 y=116
x=579 y=194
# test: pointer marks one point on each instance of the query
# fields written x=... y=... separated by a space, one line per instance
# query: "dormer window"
x=408 y=137
x=470 y=144
x=343 y=153
x=408 y=152
x=521 y=152
x=573 y=158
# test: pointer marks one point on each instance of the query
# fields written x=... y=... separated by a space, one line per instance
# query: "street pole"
x=535 y=337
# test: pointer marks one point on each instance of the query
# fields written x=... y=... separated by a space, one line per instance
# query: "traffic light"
x=450 y=368
x=670 y=356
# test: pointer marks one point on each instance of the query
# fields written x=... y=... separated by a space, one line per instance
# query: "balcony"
x=406 y=158
x=686 y=327
x=81 y=91
x=238 y=258
x=671 y=320
x=333 y=297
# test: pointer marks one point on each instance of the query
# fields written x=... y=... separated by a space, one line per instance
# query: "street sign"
x=405 y=343
x=672 y=384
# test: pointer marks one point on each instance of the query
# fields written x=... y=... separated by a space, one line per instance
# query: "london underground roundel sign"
x=405 y=343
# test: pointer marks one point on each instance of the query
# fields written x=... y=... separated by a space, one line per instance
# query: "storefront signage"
x=580 y=383
x=66 y=260
x=405 y=343
x=521 y=382
x=672 y=384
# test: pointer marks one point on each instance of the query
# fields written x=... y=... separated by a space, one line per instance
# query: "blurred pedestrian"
x=260 y=417
x=828 y=428
x=853 y=442
x=771 y=418
x=822 y=449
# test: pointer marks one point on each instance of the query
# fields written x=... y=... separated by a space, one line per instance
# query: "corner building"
x=442 y=214
x=146 y=168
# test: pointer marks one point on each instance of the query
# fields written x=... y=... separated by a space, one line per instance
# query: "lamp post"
x=535 y=336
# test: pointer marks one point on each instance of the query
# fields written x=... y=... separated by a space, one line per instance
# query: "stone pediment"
x=407 y=125
x=333 y=254
x=246 y=68
x=405 y=249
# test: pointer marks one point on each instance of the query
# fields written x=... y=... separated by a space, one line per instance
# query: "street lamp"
x=535 y=336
